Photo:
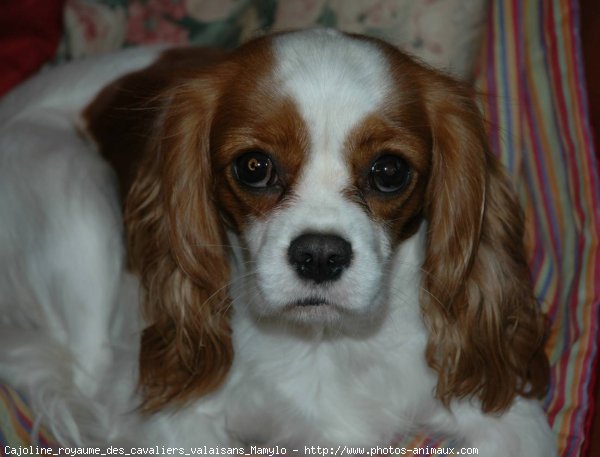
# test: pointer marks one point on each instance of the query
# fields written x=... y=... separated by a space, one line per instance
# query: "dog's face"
x=320 y=176
x=322 y=152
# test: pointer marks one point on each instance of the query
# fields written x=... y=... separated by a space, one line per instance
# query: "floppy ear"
x=176 y=245
x=485 y=333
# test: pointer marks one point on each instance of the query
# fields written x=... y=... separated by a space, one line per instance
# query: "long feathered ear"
x=175 y=241
x=486 y=335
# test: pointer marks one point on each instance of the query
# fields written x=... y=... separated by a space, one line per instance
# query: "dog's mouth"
x=310 y=302
x=312 y=310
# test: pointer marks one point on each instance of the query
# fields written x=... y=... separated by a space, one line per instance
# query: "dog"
x=304 y=241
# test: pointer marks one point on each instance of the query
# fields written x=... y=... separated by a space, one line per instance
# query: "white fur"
x=354 y=375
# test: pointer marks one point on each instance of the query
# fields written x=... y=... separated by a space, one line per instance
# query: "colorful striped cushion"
x=533 y=93
x=17 y=424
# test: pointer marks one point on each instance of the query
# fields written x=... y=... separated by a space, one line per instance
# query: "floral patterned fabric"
x=444 y=33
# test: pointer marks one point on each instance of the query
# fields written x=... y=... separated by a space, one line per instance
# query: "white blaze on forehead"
x=335 y=81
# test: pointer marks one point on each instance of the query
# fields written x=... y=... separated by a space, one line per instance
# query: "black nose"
x=320 y=257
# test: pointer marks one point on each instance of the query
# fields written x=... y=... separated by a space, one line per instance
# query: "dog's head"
x=322 y=152
x=319 y=174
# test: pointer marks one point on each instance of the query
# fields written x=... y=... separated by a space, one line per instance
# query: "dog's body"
x=332 y=356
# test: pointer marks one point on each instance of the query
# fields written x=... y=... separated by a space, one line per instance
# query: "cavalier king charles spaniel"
x=304 y=241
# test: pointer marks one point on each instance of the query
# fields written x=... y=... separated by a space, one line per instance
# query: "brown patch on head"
x=399 y=135
x=121 y=118
x=252 y=116
x=400 y=128
x=248 y=115
x=256 y=122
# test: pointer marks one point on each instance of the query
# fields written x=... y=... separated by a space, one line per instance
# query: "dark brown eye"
x=389 y=173
x=255 y=169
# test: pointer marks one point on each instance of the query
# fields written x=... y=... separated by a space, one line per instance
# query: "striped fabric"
x=17 y=425
x=533 y=93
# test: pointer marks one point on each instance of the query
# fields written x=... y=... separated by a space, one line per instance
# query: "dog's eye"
x=255 y=169
x=389 y=173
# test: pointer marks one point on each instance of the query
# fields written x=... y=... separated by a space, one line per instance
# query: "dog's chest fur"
x=321 y=385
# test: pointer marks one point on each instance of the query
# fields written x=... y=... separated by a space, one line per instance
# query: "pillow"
x=445 y=34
